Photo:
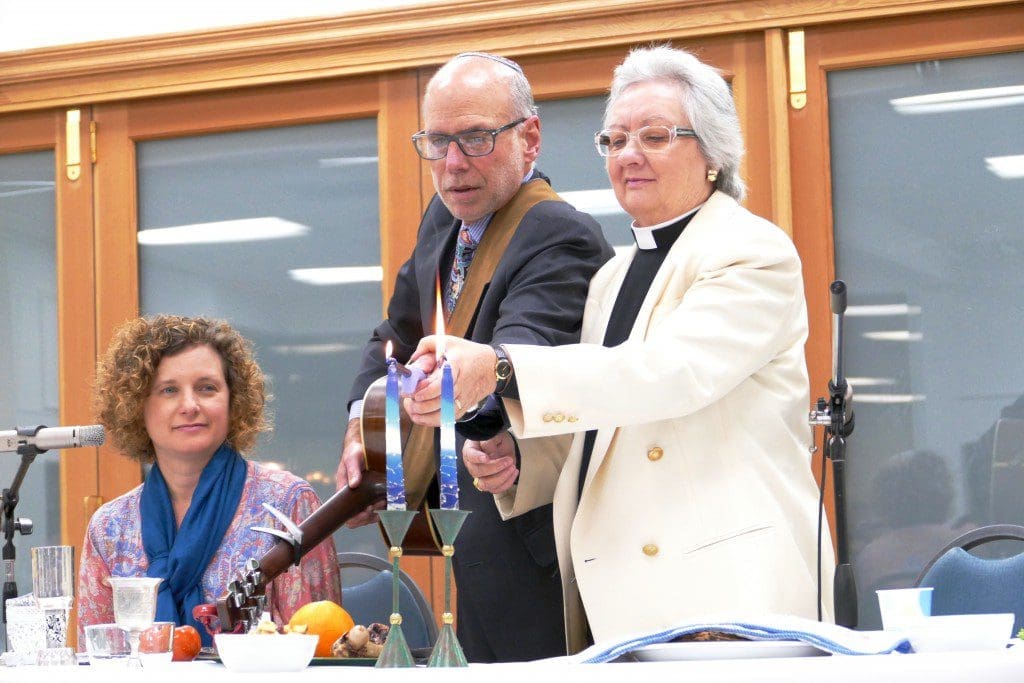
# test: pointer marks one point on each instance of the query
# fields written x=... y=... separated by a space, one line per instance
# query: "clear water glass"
x=53 y=580
x=134 y=606
x=108 y=645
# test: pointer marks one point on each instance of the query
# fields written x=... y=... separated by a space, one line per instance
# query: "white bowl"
x=248 y=653
x=961 y=632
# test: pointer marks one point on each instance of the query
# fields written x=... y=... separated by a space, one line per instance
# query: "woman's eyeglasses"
x=611 y=143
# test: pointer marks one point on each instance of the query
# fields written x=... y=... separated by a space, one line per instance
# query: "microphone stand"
x=12 y=524
x=838 y=421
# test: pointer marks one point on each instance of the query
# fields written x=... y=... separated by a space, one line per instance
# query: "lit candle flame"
x=387 y=350
x=439 y=323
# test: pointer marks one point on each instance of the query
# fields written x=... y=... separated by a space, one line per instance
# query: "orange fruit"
x=325 y=619
x=186 y=643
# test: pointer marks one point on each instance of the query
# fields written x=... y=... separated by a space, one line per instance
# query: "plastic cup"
x=107 y=645
x=902 y=608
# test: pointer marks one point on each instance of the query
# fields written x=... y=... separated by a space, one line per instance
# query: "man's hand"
x=492 y=463
x=350 y=472
x=472 y=371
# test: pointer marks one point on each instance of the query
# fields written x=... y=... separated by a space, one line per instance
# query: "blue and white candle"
x=449 y=479
x=393 y=438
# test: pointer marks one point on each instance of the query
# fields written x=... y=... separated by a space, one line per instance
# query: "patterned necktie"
x=465 y=247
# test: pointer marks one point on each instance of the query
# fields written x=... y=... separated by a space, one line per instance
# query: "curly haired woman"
x=186 y=395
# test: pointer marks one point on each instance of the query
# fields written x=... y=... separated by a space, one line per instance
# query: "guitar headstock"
x=240 y=608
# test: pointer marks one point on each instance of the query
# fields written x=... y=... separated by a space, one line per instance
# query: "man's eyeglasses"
x=611 y=143
x=473 y=143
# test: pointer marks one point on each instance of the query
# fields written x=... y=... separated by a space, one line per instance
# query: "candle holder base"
x=447 y=650
x=396 y=651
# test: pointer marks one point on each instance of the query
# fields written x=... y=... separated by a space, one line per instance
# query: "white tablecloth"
x=930 y=668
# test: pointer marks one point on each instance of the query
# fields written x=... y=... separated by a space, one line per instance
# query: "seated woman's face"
x=187 y=410
x=654 y=187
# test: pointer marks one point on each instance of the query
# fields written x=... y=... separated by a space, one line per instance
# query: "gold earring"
x=712 y=175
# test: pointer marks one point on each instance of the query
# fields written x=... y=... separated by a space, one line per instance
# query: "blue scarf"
x=180 y=556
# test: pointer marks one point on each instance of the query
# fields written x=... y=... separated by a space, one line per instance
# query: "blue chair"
x=967 y=584
x=370 y=601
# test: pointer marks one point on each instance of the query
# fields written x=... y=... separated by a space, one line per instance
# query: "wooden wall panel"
x=395 y=39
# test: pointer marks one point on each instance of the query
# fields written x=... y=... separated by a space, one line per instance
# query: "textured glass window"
x=928 y=194
x=568 y=157
x=28 y=342
x=277 y=231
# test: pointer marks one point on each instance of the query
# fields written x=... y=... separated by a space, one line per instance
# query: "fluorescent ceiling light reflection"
x=888 y=398
x=337 y=276
x=894 y=335
x=340 y=162
x=311 y=349
x=871 y=381
x=240 y=230
x=1006 y=167
x=21 y=187
x=882 y=310
x=594 y=202
x=959 y=100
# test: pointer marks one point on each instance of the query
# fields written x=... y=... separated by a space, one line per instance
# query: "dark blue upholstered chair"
x=370 y=601
x=967 y=584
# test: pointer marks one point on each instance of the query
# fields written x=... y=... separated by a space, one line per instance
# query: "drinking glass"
x=134 y=606
x=107 y=645
x=53 y=576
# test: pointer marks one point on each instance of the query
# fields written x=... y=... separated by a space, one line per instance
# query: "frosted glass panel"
x=288 y=200
x=28 y=342
x=568 y=157
x=928 y=191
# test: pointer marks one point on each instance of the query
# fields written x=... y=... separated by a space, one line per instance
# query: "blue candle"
x=449 y=466
x=393 y=439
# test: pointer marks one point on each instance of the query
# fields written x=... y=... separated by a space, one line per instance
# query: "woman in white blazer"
x=686 y=492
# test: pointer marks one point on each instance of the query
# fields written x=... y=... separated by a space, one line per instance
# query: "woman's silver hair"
x=706 y=97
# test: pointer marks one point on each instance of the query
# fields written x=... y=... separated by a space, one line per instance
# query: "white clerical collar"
x=644 y=237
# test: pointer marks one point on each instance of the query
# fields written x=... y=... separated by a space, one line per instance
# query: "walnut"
x=361 y=641
x=265 y=626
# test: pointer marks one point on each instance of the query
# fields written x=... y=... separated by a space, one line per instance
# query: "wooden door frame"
x=79 y=474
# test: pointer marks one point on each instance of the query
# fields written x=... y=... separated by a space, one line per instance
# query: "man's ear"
x=531 y=138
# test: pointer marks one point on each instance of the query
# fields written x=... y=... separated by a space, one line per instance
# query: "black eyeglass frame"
x=674 y=131
x=449 y=139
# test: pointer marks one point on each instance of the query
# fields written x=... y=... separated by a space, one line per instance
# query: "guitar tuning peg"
x=253 y=617
x=252 y=565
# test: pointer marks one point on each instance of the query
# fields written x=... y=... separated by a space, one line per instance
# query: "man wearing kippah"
x=481 y=138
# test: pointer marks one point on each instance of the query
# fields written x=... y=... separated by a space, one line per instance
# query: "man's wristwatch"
x=502 y=370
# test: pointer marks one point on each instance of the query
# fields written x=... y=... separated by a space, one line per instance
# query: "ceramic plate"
x=725 y=649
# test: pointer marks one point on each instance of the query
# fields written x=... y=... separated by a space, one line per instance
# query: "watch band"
x=502 y=370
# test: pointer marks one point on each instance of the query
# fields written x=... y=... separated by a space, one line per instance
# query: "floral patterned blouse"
x=113 y=547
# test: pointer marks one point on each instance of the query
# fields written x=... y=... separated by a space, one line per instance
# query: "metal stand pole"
x=837 y=418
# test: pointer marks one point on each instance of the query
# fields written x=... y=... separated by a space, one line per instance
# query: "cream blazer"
x=699 y=499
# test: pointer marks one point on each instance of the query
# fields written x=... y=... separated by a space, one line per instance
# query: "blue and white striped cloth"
x=828 y=637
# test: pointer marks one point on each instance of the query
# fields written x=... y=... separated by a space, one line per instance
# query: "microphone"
x=45 y=438
x=840 y=392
